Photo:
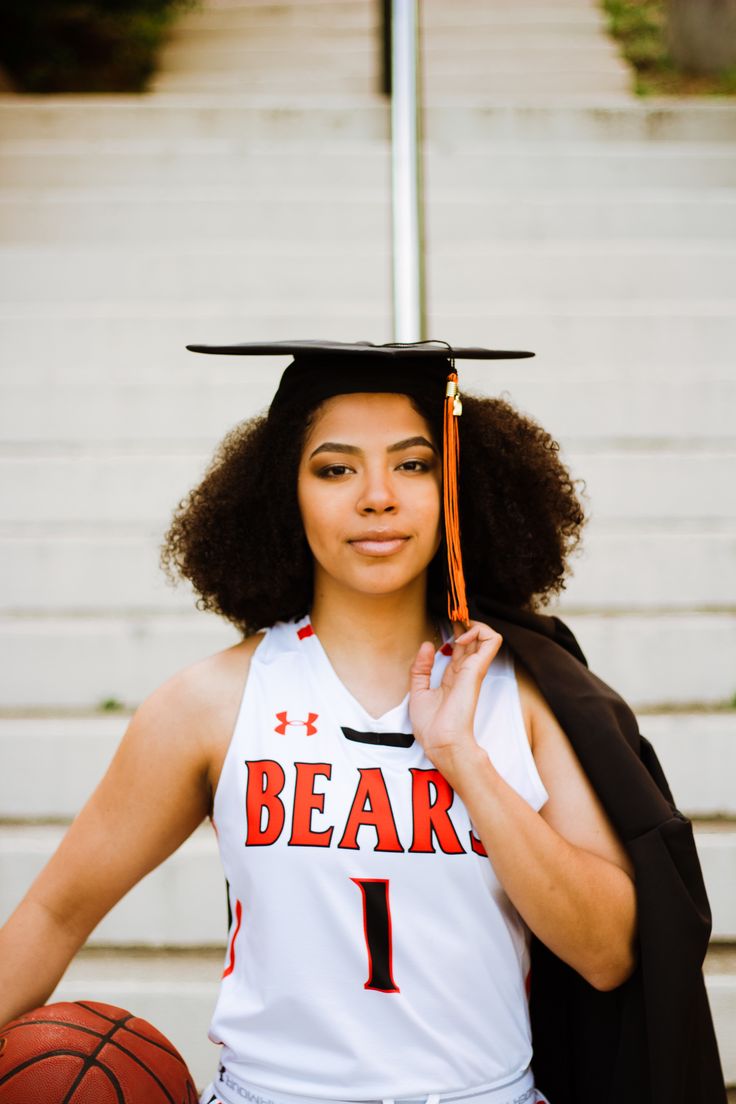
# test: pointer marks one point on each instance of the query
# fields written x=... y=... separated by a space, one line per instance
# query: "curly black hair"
x=238 y=535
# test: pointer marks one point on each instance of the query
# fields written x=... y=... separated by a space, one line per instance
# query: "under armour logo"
x=285 y=722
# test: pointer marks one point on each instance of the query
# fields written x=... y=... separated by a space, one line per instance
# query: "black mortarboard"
x=322 y=369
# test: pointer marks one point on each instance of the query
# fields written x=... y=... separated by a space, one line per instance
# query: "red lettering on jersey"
x=305 y=801
x=476 y=845
x=432 y=816
x=284 y=723
x=371 y=790
x=265 y=782
x=305 y=631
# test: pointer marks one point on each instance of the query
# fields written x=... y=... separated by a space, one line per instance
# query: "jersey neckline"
x=323 y=669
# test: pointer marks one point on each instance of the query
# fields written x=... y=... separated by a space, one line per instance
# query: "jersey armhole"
x=540 y=796
x=236 y=726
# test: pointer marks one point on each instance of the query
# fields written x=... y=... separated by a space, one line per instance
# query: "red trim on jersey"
x=305 y=631
x=238 y=919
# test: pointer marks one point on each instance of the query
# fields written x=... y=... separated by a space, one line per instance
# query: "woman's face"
x=369 y=488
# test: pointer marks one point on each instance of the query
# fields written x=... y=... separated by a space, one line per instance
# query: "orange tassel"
x=457 y=605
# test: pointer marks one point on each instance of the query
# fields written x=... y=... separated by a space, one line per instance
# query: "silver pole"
x=408 y=255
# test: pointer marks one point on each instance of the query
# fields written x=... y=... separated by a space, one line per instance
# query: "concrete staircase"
x=247 y=197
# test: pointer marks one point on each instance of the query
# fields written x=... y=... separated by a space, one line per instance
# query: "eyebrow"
x=353 y=450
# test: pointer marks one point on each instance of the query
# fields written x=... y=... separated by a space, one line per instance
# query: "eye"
x=414 y=465
x=333 y=471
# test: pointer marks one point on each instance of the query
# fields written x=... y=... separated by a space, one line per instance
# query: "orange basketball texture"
x=84 y=1052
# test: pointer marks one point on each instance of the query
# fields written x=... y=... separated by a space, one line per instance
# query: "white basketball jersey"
x=373 y=952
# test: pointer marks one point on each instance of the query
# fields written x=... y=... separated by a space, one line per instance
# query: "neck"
x=390 y=625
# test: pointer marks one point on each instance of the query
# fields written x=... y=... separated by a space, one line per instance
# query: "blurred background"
x=175 y=172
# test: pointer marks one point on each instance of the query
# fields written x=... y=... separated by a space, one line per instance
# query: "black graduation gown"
x=651 y=1041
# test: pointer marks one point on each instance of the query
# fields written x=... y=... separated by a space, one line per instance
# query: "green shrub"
x=83 y=45
x=641 y=29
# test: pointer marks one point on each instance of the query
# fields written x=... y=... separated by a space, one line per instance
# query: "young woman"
x=397 y=807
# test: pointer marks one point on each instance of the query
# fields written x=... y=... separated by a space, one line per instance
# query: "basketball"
x=83 y=1052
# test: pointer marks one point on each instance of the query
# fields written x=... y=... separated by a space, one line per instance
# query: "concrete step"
x=177 y=992
x=51 y=764
x=558 y=75
x=342 y=167
x=603 y=330
x=175 y=116
x=606 y=79
x=612 y=409
x=698 y=754
x=350 y=166
x=645 y=569
x=595 y=165
x=89 y=217
x=454 y=122
x=622 y=567
x=181 y=904
x=214 y=29
x=458 y=120
x=159 y=912
x=576 y=270
x=306 y=16
x=77 y=217
x=197 y=273
x=243 y=270
x=241 y=82
x=335 y=18
x=144 y=341
x=580 y=216
x=304 y=55
x=674 y=658
x=96 y=486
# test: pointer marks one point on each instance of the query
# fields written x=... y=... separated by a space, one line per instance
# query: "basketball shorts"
x=228 y=1089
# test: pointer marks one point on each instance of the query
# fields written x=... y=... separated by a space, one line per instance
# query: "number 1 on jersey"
x=377 y=927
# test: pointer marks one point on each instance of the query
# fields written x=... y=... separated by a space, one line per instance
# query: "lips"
x=381 y=542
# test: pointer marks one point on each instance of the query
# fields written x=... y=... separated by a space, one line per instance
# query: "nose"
x=377 y=495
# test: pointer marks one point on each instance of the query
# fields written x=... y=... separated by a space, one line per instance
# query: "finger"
x=473 y=656
x=421 y=669
x=476 y=630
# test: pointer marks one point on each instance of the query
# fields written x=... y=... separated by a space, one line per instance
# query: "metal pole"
x=408 y=246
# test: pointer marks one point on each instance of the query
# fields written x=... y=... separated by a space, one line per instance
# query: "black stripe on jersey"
x=384 y=739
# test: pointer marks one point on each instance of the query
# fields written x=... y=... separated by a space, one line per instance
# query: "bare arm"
x=156 y=791
x=563 y=868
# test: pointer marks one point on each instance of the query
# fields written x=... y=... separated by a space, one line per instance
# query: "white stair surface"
x=246 y=198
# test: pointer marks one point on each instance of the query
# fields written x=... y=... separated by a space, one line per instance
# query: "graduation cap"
x=425 y=369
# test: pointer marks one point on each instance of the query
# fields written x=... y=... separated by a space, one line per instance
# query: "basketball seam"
x=55 y=1054
x=54 y=1023
x=89 y=1061
x=131 y=1054
x=173 y=1052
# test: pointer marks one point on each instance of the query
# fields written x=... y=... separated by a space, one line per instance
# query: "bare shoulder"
x=573 y=808
x=197 y=707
